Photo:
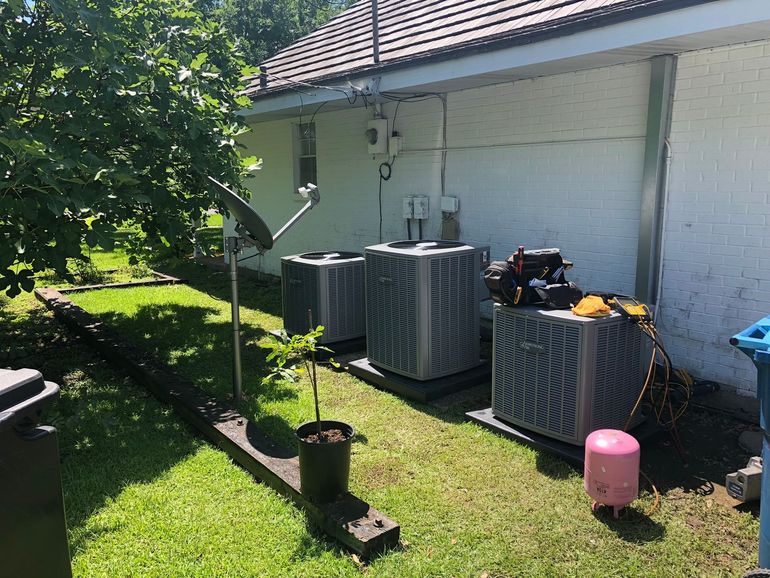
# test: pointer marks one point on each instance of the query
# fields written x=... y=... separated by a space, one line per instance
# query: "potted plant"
x=324 y=445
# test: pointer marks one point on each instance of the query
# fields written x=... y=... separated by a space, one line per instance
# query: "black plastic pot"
x=324 y=468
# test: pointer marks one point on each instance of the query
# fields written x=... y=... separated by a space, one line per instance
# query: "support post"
x=654 y=177
x=234 y=246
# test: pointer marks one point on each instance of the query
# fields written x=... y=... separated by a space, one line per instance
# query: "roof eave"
x=748 y=11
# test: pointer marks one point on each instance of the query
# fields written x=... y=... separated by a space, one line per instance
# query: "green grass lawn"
x=146 y=497
x=102 y=265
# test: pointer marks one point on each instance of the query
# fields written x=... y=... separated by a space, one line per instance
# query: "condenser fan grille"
x=391 y=311
x=536 y=372
x=329 y=255
x=562 y=375
x=345 y=302
x=334 y=291
x=618 y=363
x=426 y=245
x=422 y=308
x=453 y=313
x=300 y=287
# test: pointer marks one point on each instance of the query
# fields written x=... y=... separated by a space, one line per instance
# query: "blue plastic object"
x=754 y=341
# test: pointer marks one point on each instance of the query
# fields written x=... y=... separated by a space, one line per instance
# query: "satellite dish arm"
x=310 y=192
x=314 y=198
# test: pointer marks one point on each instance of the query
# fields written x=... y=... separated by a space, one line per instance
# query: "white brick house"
x=545 y=139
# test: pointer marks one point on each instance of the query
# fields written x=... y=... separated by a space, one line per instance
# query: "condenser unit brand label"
x=531 y=346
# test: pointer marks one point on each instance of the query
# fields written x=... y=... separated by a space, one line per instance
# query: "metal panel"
x=453 y=314
x=654 y=177
x=300 y=287
x=391 y=312
x=345 y=302
x=417 y=28
x=617 y=375
x=535 y=372
x=422 y=307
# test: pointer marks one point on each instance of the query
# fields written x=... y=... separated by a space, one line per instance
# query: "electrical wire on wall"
x=399 y=98
x=385 y=170
x=352 y=94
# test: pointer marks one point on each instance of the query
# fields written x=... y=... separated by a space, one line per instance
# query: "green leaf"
x=16 y=6
x=26 y=281
x=91 y=238
x=251 y=163
x=198 y=61
x=131 y=103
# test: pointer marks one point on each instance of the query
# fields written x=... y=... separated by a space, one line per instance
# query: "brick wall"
x=553 y=161
x=716 y=277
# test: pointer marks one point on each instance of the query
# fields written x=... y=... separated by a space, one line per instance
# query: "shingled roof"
x=412 y=30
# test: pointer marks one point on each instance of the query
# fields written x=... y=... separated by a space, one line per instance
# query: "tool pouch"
x=538 y=279
x=559 y=296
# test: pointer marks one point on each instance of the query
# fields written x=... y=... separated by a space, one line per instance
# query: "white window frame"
x=303 y=151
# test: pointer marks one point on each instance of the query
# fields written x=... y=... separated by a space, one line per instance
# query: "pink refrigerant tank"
x=611 y=474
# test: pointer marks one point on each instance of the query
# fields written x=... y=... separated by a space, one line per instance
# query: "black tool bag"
x=532 y=277
x=545 y=265
x=560 y=295
x=498 y=277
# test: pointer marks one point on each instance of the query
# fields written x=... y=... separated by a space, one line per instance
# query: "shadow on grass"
x=197 y=347
x=633 y=525
x=200 y=350
x=253 y=292
x=112 y=434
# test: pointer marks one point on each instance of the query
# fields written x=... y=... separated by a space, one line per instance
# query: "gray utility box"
x=422 y=307
x=563 y=375
x=33 y=531
x=331 y=284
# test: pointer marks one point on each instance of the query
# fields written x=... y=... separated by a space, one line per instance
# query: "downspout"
x=375 y=33
x=664 y=209
x=655 y=178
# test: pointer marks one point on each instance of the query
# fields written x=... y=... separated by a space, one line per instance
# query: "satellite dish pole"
x=251 y=231
x=234 y=246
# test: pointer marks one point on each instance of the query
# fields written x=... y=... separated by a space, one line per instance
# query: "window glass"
x=306 y=154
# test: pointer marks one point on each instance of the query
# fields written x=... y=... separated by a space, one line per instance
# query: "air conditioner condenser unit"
x=563 y=375
x=331 y=284
x=422 y=307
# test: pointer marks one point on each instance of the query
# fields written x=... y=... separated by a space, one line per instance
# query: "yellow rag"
x=592 y=306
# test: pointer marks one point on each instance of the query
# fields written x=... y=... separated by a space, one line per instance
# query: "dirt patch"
x=328 y=436
x=711 y=451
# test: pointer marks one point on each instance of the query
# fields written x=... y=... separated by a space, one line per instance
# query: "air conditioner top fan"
x=420 y=248
x=328 y=256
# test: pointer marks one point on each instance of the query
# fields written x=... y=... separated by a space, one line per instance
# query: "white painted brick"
x=720 y=179
x=736 y=78
x=746 y=52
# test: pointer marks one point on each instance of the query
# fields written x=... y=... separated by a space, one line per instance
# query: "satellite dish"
x=250 y=225
x=251 y=230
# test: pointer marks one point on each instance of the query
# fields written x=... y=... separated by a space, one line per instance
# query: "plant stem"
x=313 y=379
x=315 y=395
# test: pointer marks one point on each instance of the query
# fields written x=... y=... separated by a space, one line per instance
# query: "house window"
x=305 y=164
